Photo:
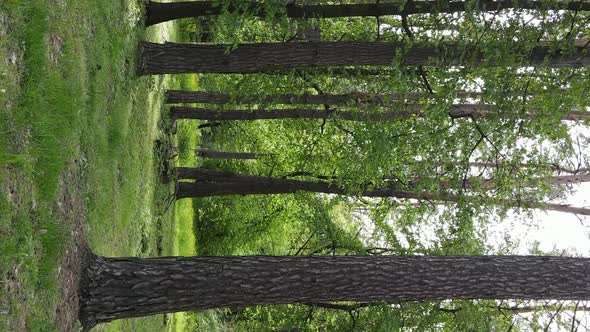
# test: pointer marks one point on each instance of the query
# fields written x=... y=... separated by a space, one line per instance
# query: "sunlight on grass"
x=183 y=245
x=184 y=233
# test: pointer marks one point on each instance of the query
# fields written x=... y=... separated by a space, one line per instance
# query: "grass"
x=79 y=129
x=38 y=136
x=78 y=121
x=184 y=244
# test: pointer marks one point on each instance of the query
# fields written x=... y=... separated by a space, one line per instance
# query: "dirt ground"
x=72 y=211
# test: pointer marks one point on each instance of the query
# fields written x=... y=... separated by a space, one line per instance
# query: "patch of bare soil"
x=15 y=182
x=55 y=48
x=71 y=209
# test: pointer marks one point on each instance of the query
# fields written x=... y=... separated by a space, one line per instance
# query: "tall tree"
x=175 y=58
x=217 y=154
x=115 y=288
x=351 y=98
x=406 y=111
x=220 y=183
x=560 y=180
x=552 y=166
x=158 y=12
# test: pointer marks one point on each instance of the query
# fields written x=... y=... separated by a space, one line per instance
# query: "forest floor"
x=78 y=159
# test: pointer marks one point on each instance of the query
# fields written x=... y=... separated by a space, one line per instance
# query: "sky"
x=554 y=231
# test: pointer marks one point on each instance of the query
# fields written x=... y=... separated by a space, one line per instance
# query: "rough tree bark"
x=115 y=288
x=175 y=58
x=352 y=98
x=157 y=12
x=219 y=183
x=406 y=111
x=180 y=112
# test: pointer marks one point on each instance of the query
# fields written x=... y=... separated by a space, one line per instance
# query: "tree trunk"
x=161 y=12
x=219 y=183
x=559 y=180
x=115 y=288
x=553 y=167
x=405 y=112
x=538 y=308
x=346 y=72
x=205 y=153
x=179 y=112
x=352 y=98
x=569 y=179
x=175 y=58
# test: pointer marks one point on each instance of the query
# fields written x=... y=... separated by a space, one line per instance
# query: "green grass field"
x=77 y=135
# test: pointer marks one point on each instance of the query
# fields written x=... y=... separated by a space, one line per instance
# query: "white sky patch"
x=554 y=232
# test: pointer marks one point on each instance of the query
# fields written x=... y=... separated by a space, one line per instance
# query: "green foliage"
x=521 y=136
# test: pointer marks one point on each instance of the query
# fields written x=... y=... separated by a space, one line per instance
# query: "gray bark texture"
x=352 y=98
x=405 y=111
x=115 y=288
x=158 y=12
x=211 y=182
x=176 y=58
x=179 y=112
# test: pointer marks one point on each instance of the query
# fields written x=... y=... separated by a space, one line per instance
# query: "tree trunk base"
x=87 y=271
